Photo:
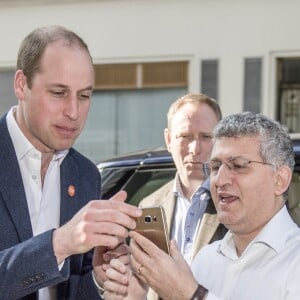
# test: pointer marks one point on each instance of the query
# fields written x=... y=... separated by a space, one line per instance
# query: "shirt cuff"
x=99 y=288
x=60 y=266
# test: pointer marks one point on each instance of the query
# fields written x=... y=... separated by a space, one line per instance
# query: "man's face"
x=189 y=140
x=52 y=113
x=245 y=198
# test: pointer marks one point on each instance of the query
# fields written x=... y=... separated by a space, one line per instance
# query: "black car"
x=141 y=173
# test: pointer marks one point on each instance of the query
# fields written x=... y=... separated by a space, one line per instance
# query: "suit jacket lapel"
x=208 y=226
x=164 y=197
x=11 y=185
x=169 y=203
x=70 y=201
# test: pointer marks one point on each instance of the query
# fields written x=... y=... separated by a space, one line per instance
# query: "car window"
x=294 y=197
x=144 y=182
x=137 y=182
x=114 y=180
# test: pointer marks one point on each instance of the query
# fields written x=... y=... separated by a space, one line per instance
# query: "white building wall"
x=143 y=30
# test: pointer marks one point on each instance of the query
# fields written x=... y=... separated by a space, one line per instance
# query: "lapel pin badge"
x=71 y=190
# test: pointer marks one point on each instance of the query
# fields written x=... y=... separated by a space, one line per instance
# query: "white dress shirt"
x=43 y=201
x=187 y=217
x=268 y=269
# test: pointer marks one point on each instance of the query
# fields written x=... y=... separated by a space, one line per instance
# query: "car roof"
x=162 y=156
x=143 y=157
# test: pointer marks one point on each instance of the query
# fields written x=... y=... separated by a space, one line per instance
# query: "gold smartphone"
x=152 y=224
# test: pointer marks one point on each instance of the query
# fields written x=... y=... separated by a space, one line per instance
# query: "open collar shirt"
x=269 y=268
x=187 y=216
x=43 y=201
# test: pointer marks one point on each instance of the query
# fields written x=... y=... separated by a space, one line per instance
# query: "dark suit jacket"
x=209 y=230
x=28 y=263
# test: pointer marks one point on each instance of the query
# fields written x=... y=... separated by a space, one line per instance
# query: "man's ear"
x=167 y=136
x=20 y=84
x=283 y=179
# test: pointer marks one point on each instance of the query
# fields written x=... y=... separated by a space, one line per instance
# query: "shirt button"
x=188 y=239
x=34 y=177
x=203 y=196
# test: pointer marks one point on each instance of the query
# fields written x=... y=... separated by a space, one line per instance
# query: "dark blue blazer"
x=28 y=263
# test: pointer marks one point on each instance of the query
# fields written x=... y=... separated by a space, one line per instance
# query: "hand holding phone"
x=152 y=225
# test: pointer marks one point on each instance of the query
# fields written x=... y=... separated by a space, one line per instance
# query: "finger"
x=179 y=259
x=115 y=286
x=134 y=264
x=139 y=259
x=125 y=259
x=105 y=267
x=121 y=250
x=117 y=277
x=115 y=205
x=119 y=196
x=106 y=240
x=146 y=245
x=137 y=270
x=118 y=265
x=174 y=251
x=116 y=214
x=106 y=227
x=112 y=296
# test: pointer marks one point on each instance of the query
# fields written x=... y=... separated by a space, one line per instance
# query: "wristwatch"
x=200 y=293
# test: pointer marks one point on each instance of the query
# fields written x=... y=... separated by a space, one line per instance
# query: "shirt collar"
x=275 y=234
x=206 y=184
x=21 y=144
x=177 y=189
x=277 y=231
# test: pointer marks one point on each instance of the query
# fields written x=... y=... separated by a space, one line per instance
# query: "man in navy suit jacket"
x=53 y=230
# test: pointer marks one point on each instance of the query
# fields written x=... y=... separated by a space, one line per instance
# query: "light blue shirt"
x=187 y=217
x=268 y=269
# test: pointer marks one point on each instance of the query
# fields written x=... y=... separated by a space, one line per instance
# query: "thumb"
x=119 y=196
x=179 y=259
x=174 y=251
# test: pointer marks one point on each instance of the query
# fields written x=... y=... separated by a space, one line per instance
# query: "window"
x=141 y=75
x=209 y=78
x=7 y=94
x=129 y=107
x=288 y=74
x=126 y=120
x=252 y=84
x=138 y=183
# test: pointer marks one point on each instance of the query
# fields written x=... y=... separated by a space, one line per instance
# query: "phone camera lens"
x=148 y=219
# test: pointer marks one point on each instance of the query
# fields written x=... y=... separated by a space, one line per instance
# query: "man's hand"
x=122 y=283
x=161 y=271
x=102 y=258
x=99 y=223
